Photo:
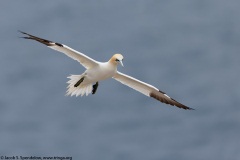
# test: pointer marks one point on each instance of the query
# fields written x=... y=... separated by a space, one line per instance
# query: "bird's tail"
x=80 y=89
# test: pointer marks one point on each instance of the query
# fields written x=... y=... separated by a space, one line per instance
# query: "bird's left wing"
x=148 y=90
x=86 y=61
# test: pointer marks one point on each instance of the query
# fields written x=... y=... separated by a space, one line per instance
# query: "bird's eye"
x=117 y=60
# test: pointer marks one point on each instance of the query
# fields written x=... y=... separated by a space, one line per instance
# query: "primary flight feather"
x=96 y=71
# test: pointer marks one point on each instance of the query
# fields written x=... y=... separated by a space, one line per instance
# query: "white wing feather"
x=134 y=83
x=86 y=61
x=147 y=90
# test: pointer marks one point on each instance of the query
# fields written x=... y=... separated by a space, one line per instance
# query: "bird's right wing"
x=148 y=90
x=86 y=61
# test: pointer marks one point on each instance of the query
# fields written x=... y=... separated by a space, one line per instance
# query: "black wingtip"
x=24 y=37
x=20 y=31
x=180 y=105
x=41 y=40
x=183 y=106
x=23 y=33
x=188 y=108
x=168 y=100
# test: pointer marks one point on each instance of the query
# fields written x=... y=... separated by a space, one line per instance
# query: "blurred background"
x=188 y=49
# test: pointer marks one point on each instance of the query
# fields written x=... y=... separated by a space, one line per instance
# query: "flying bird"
x=96 y=71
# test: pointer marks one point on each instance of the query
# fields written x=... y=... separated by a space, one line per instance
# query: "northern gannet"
x=87 y=82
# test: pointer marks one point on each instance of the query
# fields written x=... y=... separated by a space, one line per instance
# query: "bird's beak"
x=121 y=63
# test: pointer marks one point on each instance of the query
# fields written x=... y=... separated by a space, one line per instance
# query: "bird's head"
x=116 y=59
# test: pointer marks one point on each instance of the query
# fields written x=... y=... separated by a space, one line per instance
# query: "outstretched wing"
x=86 y=61
x=148 y=90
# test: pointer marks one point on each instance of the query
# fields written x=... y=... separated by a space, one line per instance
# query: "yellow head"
x=116 y=59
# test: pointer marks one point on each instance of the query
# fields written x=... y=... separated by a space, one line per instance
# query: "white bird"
x=87 y=82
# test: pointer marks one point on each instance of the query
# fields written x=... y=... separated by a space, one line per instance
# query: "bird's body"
x=88 y=81
x=102 y=71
